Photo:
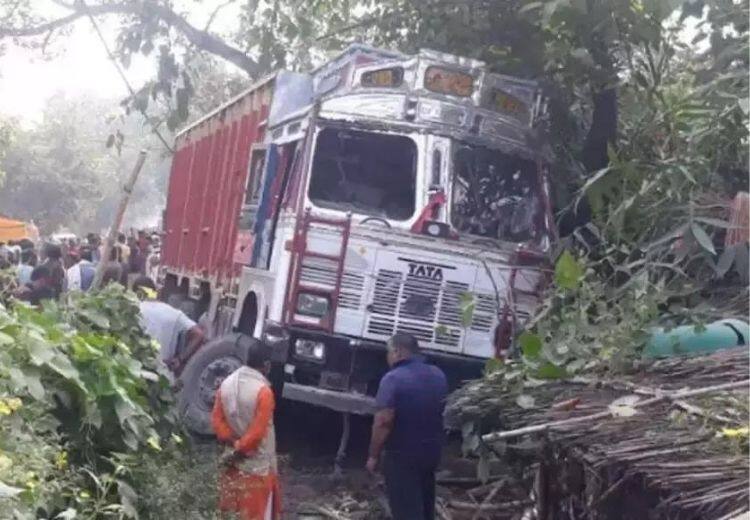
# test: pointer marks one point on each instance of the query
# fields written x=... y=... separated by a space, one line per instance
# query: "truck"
x=323 y=212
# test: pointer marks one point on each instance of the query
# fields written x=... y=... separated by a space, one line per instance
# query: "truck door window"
x=365 y=172
x=495 y=195
x=252 y=189
x=257 y=162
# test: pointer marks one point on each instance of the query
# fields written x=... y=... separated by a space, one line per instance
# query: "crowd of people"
x=47 y=270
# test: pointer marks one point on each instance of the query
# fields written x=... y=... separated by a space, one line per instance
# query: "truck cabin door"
x=248 y=213
x=270 y=167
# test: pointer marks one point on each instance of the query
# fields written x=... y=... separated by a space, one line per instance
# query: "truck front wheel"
x=204 y=373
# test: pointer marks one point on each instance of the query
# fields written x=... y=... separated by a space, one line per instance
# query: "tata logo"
x=432 y=272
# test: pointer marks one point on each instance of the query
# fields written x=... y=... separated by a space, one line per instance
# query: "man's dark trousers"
x=410 y=485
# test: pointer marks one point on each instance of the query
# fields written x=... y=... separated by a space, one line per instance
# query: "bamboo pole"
x=127 y=190
x=496 y=436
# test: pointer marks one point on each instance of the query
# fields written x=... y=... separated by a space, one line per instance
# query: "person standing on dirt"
x=178 y=336
x=409 y=424
x=242 y=419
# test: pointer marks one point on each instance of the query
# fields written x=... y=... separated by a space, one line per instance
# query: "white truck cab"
x=385 y=193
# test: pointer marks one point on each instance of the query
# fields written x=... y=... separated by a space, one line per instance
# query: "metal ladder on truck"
x=301 y=252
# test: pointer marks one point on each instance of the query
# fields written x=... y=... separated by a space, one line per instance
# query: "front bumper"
x=347 y=379
x=347 y=402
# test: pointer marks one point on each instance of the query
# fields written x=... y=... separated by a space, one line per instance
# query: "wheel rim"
x=212 y=377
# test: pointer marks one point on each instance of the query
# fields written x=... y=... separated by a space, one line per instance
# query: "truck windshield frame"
x=365 y=172
x=495 y=195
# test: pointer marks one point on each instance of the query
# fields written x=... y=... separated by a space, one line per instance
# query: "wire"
x=125 y=80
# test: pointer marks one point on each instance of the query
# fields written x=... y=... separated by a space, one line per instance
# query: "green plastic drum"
x=686 y=340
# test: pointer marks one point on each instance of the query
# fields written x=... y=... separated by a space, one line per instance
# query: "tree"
x=584 y=51
x=580 y=48
x=60 y=174
x=8 y=129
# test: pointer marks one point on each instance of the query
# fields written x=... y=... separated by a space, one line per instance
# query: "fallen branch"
x=329 y=513
x=697 y=410
x=488 y=499
x=537 y=428
x=441 y=511
x=498 y=506
x=458 y=481
x=478 y=491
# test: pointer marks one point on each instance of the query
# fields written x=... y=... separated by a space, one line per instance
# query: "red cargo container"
x=207 y=184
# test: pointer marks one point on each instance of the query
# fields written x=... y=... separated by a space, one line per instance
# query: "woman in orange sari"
x=242 y=419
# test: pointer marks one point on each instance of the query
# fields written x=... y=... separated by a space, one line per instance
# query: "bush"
x=81 y=403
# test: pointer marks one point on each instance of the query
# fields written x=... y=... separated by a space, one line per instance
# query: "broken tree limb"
x=442 y=512
x=109 y=241
x=498 y=506
x=329 y=513
x=479 y=512
x=537 y=428
x=697 y=410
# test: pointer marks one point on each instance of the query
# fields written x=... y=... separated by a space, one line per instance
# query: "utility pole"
x=127 y=190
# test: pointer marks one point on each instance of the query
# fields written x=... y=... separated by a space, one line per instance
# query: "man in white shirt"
x=80 y=275
x=167 y=326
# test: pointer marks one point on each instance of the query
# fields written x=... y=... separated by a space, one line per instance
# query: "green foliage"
x=178 y=482
x=654 y=251
x=531 y=345
x=568 y=271
x=79 y=387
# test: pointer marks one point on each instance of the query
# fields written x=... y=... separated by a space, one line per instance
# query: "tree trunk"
x=603 y=131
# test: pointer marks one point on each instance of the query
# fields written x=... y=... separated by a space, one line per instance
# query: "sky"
x=77 y=65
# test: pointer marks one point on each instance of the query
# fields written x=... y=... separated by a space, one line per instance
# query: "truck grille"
x=319 y=272
x=352 y=287
x=426 y=308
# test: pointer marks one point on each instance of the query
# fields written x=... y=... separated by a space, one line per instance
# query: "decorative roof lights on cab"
x=448 y=81
x=390 y=77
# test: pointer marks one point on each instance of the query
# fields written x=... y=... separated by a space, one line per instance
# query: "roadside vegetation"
x=82 y=408
x=649 y=128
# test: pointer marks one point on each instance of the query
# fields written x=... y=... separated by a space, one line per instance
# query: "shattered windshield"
x=495 y=195
x=365 y=172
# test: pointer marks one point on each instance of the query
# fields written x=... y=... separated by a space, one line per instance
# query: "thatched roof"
x=672 y=446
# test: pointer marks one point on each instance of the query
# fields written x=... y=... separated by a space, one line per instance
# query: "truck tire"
x=203 y=375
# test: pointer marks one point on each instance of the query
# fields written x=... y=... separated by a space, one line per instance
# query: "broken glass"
x=367 y=173
x=495 y=195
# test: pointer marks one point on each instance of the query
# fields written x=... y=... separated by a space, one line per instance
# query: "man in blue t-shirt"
x=409 y=424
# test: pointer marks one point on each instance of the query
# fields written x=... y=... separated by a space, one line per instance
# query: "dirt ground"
x=308 y=439
x=307 y=444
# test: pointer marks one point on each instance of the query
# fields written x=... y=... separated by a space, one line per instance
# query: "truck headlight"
x=315 y=305
x=310 y=349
